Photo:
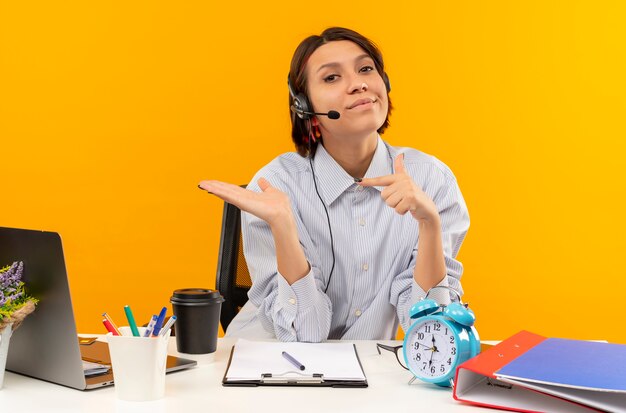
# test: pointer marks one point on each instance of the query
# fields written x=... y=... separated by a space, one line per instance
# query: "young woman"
x=344 y=236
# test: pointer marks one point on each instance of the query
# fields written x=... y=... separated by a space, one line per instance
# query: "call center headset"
x=304 y=110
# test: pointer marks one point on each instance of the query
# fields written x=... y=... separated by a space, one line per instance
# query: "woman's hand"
x=402 y=194
x=271 y=205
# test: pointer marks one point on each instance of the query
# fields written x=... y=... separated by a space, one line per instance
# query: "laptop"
x=46 y=345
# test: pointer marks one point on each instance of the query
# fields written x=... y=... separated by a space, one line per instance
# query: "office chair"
x=233 y=279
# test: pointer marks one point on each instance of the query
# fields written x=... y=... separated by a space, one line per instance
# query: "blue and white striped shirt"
x=372 y=286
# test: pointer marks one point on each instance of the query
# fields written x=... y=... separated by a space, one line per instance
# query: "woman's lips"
x=361 y=102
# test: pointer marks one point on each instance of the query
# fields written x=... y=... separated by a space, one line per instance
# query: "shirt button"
x=365 y=267
x=292 y=301
x=359 y=188
x=362 y=222
x=358 y=313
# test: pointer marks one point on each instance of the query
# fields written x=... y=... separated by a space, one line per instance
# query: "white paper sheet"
x=336 y=361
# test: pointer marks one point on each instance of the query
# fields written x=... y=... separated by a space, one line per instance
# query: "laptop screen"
x=45 y=346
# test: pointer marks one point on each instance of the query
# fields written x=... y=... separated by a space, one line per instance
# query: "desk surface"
x=200 y=389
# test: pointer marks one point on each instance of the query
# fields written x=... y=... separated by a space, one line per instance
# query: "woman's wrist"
x=430 y=222
x=283 y=223
x=291 y=261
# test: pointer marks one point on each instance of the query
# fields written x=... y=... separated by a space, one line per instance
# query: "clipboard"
x=277 y=373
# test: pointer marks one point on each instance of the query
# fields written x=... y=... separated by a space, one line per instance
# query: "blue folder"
x=592 y=374
x=572 y=363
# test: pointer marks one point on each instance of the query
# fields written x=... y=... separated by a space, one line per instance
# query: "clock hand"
x=430 y=362
x=424 y=345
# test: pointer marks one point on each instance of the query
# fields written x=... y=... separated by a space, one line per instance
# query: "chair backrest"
x=233 y=279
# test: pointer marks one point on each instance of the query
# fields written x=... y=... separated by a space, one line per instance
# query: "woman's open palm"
x=270 y=205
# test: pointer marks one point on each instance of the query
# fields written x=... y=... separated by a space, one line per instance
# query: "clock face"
x=431 y=349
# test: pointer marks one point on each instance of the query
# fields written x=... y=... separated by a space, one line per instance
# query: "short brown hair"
x=297 y=78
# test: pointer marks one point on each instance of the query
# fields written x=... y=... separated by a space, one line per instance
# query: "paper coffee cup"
x=197 y=312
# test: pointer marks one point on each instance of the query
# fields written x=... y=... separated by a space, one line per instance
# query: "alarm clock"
x=441 y=338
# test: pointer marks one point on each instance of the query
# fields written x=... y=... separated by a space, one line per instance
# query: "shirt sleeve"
x=297 y=312
x=454 y=226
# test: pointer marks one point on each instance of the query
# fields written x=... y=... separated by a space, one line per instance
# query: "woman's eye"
x=330 y=78
x=367 y=69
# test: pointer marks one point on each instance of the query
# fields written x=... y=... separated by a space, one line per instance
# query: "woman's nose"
x=359 y=87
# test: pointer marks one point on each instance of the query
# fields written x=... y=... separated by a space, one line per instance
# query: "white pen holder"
x=138 y=365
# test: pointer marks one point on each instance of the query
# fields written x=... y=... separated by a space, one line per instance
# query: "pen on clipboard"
x=293 y=361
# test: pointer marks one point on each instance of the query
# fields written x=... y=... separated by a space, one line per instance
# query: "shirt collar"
x=333 y=180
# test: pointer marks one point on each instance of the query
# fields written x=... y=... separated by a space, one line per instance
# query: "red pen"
x=110 y=320
x=110 y=327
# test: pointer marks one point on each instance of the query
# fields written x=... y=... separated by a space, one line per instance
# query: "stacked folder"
x=564 y=376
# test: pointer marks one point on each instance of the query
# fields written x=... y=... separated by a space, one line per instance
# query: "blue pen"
x=159 y=323
x=131 y=321
x=150 y=326
x=293 y=360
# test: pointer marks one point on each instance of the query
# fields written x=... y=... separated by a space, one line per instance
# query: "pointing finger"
x=379 y=181
x=398 y=164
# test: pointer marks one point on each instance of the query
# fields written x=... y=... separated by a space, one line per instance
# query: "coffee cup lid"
x=196 y=296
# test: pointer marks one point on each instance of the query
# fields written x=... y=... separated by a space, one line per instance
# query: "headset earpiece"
x=300 y=106
x=300 y=103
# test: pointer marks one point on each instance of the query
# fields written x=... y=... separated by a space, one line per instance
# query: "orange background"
x=111 y=112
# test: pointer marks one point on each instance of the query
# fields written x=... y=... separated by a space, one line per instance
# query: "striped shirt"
x=372 y=287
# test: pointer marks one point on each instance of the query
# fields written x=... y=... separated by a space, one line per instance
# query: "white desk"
x=200 y=389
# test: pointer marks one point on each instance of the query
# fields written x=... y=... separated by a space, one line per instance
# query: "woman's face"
x=341 y=76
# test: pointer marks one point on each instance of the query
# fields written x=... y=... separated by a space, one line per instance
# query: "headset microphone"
x=332 y=114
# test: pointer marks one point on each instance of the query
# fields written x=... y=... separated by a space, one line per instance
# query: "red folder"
x=477 y=381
